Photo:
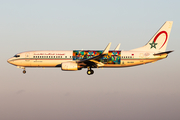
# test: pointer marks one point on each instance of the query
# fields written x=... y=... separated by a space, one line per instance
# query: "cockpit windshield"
x=16 y=55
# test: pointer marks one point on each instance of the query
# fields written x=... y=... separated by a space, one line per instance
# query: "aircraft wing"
x=94 y=61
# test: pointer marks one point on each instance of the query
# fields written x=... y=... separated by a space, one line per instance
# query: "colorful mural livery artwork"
x=113 y=57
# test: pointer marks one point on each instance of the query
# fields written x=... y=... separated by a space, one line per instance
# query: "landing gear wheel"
x=24 y=71
x=90 y=72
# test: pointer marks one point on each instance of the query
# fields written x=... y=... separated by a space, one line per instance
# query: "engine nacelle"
x=69 y=66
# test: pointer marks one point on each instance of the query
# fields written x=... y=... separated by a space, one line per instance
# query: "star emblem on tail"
x=153 y=44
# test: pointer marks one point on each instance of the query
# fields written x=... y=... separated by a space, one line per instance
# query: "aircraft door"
x=141 y=56
x=27 y=59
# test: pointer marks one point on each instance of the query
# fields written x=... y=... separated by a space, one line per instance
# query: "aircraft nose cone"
x=9 y=61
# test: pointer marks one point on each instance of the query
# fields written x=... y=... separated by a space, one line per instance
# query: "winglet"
x=107 y=49
x=117 y=48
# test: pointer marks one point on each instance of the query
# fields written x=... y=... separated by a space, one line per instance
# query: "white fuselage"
x=55 y=58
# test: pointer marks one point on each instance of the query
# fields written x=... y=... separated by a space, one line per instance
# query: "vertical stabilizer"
x=159 y=41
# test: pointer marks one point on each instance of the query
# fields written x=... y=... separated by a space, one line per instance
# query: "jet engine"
x=69 y=66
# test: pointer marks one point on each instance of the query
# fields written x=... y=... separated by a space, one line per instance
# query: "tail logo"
x=153 y=44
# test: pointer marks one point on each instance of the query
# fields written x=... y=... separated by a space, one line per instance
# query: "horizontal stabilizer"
x=161 y=53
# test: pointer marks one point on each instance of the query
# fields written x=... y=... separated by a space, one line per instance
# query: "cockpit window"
x=17 y=56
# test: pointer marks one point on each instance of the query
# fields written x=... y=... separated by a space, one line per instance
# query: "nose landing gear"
x=24 y=71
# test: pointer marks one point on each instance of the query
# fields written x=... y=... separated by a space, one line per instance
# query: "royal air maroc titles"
x=74 y=60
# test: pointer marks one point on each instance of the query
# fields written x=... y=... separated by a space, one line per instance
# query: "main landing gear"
x=90 y=72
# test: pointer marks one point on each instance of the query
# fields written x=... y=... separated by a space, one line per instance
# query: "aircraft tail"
x=158 y=42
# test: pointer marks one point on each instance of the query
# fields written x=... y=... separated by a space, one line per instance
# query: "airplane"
x=74 y=60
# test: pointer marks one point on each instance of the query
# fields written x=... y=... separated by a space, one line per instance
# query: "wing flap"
x=99 y=64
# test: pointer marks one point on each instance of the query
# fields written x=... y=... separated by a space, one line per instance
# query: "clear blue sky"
x=148 y=92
